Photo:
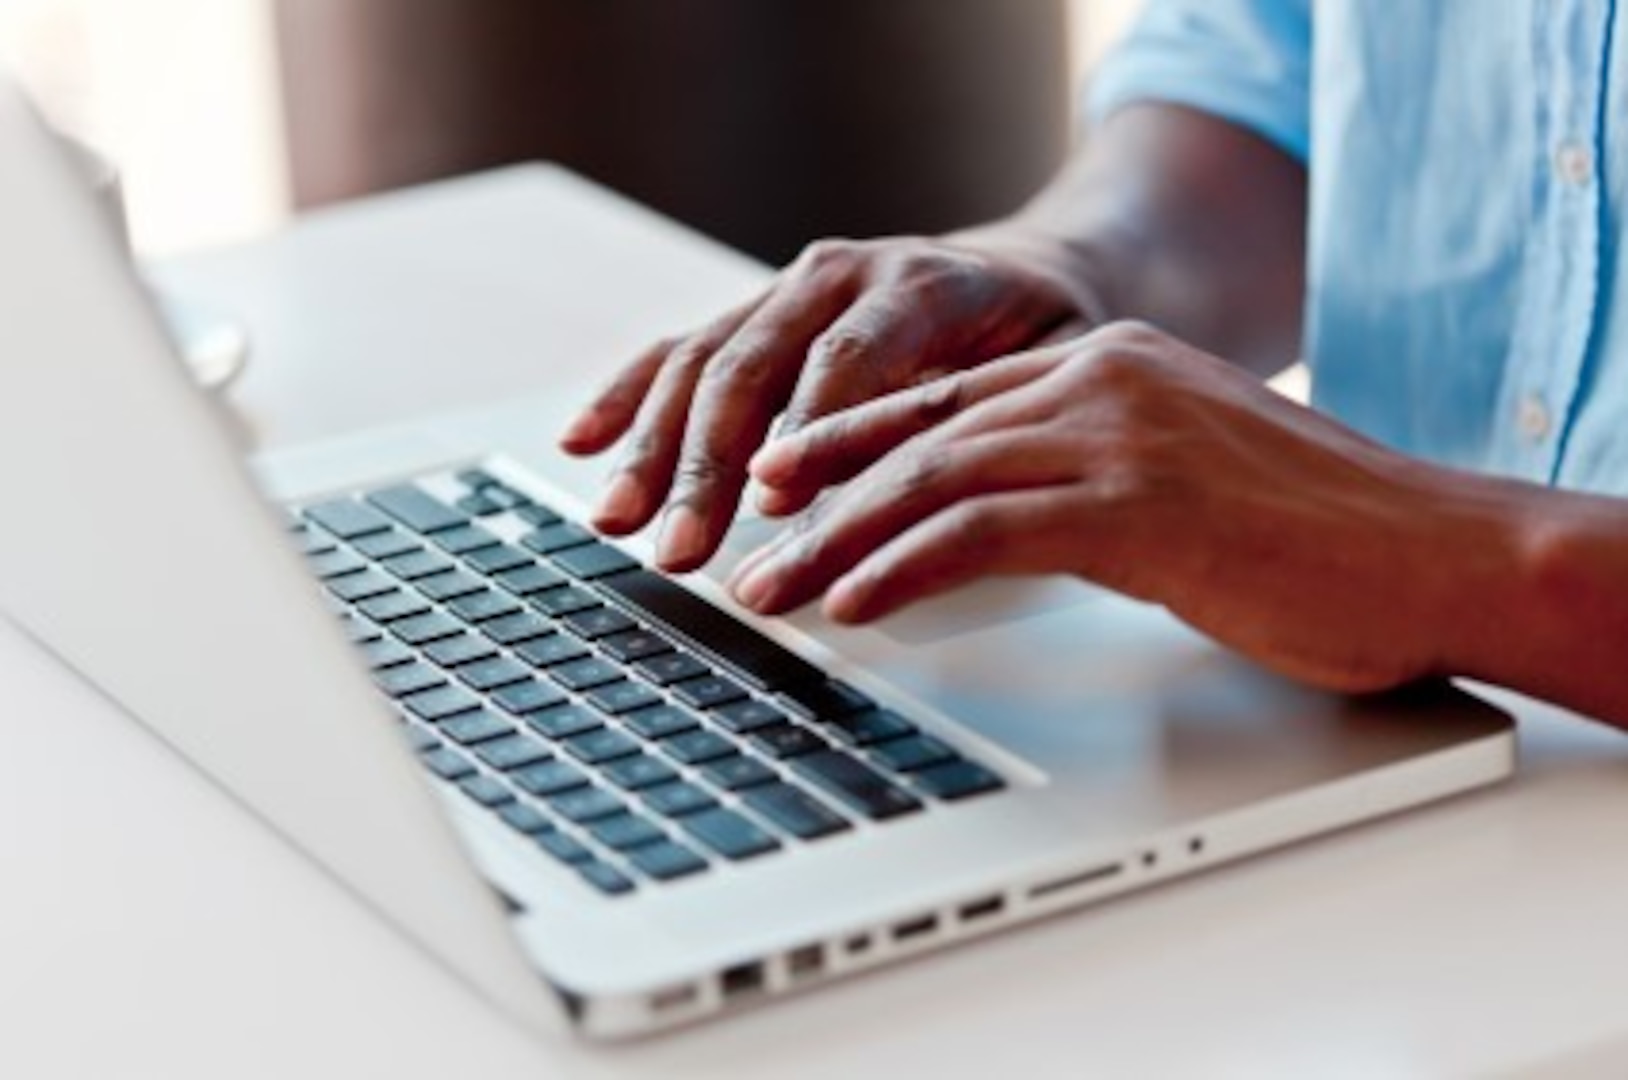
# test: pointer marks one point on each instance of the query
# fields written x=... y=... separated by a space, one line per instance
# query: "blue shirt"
x=1468 y=164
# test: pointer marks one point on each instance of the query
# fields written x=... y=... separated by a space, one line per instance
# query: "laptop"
x=612 y=801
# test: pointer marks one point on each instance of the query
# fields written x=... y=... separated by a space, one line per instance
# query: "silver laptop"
x=611 y=801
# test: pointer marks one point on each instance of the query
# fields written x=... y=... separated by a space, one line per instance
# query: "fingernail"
x=772 y=502
x=772 y=464
x=584 y=428
x=747 y=565
x=682 y=540
x=622 y=502
x=845 y=601
x=754 y=589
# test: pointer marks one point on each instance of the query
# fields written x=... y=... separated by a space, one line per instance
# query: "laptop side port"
x=986 y=908
x=674 y=997
x=805 y=962
x=913 y=929
x=1076 y=881
x=742 y=979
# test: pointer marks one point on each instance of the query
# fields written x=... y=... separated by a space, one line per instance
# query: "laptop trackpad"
x=992 y=603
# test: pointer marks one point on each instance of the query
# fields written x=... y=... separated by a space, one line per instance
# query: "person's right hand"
x=846 y=322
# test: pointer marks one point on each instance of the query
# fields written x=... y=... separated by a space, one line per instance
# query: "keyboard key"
x=640 y=771
x=659 y=721
x=760 y=660
x=795 y=810
x=912 y=752
x=957 y=779
x=601 y=744
x=826 y=700
x=533 y=578
x=708 y=692
x=634 y=645
x=336 y=563
x=591 y=624
x=507 y=497
x=557 y=537
x=749 y=715
x=739 y=772
x=872 y=726
x=728 y=833
x=483 y=605
x=452 y=651
x=393 y=605
x=620 y=697
x=528 y=696
x=420 y=738
x=787 y=741
x=856 y=784
x=581 y=674
x=515 y=628
x=548 y=778
x=697 y=747
x=421 y=629
x=512 y=752
x=360 y=585
x=476 y=479
x=676 y=800
x=464 y=539
x=347 y=518
x=386 y=545
x=416 y=508
x=562 y=721
x=670 y=668
x=606 y=878
x=417 y=564
x=624 y=832
x=497 y=558
x=474 y=727
x=524 y=818
x=537 y=514
x=384 y=653
x=478 y=505
x=564 y=848
x=595 y=560
x=563 y=601
x=486 y=791
x=443 y=587
x=489 y=675
x=586 y=804
x=448 y=764
x=666 y=861
x=407 y=679
x=313 y=542
x=550 y=649
x=358 y=631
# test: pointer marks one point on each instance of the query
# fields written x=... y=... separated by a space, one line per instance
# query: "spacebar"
x=730 y=642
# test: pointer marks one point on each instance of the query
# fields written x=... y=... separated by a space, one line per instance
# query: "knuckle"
x=689 y=357
x=830 y=253
x=923 y=472
x=941 y=399
x=739 y=367
x=1128 y=335
x=842 y=348
x=976 y=527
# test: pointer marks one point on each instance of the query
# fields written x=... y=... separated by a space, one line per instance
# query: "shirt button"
x=1574 y=164
x=1533 y=418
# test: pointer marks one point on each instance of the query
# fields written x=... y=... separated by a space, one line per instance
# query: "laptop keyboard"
x=632 y=731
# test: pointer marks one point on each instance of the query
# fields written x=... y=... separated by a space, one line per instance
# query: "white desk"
x=151 y=929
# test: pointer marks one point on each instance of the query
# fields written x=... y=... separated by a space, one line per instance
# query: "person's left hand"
x=1132 y=460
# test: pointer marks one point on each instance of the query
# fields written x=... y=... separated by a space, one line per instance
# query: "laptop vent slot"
x=915 y=929
x=1076 y=881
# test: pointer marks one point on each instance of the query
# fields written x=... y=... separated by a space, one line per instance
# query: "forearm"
x=1183 y=220
x=1532 y=588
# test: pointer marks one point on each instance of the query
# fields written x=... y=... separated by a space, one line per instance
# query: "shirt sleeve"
x=1245 y=61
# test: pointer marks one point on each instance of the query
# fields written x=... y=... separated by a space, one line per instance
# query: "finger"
x=607 y=417
x=874 y=348
x=840 y=447
x=905 y=489
x=1009 y=533
x=633 y=492
x=741 y=389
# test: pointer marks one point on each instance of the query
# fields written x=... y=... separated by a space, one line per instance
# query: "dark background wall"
x=765 y=123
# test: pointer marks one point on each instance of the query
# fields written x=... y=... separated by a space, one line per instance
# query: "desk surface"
x=152 y=929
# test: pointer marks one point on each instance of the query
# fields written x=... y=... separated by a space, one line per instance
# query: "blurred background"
x=764 y=124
